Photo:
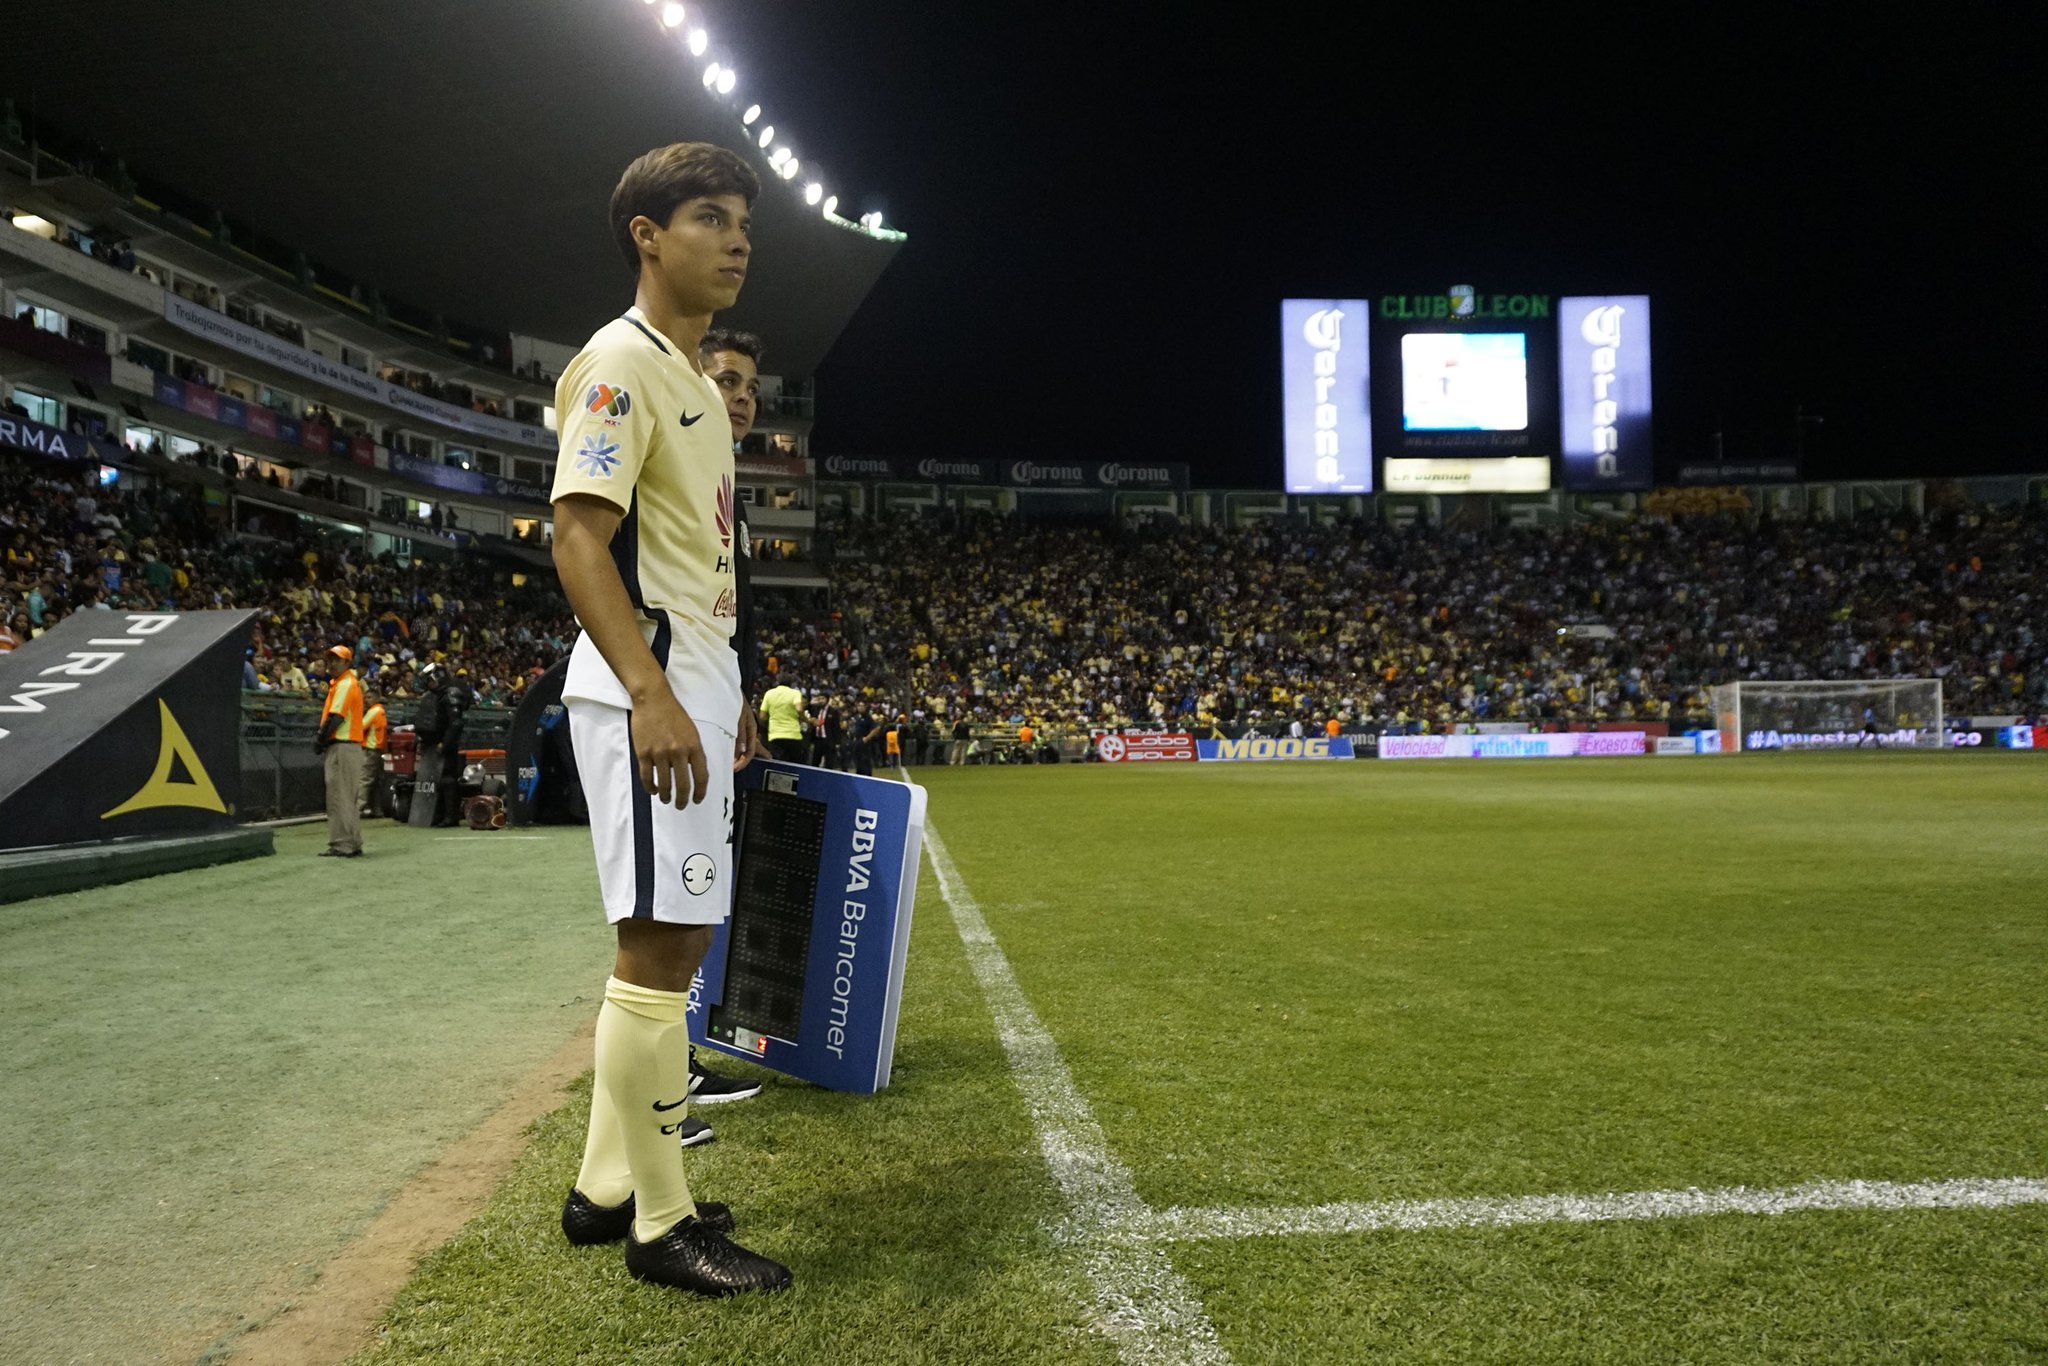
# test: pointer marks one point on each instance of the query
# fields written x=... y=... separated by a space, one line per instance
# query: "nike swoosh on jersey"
x=672 y=1104
x=689 y=421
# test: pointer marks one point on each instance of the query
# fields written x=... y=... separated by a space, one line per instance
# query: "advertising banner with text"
x=259 y=421
x=1093 y=474
x=1603 y=391
x=255 y=343
x=1553 y=745
x=857 y=467
x=1145 y=747
x=1325 y=379
x=1276 y=747
x=465 y=481
x=21 y=434
x=782 y=469
x=952 y=469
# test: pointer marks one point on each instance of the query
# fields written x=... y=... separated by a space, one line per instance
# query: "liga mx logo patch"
x=608 y=401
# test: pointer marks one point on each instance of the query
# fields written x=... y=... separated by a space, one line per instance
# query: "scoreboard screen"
x=1464 y=382
x=1463 y=392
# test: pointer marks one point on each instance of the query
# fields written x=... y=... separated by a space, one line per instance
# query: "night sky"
x=1105 y=209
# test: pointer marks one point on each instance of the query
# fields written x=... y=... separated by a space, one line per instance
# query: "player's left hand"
x=746 y=746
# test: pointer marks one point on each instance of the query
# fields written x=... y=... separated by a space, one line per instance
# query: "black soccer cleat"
x=693 y=1256
x=586 y=1224
x=693 y=1132
x=708 y=1088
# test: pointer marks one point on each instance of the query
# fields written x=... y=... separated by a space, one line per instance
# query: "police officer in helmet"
x=438 y=723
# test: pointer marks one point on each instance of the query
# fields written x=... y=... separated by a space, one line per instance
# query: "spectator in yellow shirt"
x=782 y=708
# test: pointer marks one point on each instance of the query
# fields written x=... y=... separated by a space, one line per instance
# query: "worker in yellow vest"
x=374 y=727
x=341 y=741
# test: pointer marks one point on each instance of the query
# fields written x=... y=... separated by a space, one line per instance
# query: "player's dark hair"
x=731 y=339
x=663 y=180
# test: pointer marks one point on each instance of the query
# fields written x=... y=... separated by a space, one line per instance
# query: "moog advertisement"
x=1273 y=747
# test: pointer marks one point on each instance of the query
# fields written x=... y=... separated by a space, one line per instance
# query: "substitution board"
x=806 y=975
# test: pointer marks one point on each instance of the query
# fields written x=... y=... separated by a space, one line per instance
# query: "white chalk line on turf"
x=1188 y=1225
x=1142 y=1303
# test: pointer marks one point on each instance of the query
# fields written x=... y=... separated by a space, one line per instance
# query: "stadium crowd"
x=1388 y=628
x=1001 y=623
x=69 y=545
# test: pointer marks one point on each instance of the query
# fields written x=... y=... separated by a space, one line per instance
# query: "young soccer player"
x=644 y=529
x=732 y=361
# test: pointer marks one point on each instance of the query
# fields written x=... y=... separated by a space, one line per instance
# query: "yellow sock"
x=607 y=1177
x=643 y=1067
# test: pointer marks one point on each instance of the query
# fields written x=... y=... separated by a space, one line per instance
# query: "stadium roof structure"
x=457 y=157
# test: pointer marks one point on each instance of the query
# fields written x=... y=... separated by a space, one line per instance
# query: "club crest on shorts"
x=699 y=872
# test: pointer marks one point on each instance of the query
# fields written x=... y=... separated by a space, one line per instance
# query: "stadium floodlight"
x=831 y=204
x=699 y=40
x=753 y=112
x=671 y=15
x=778 y=156
x=813 y=192
x=767 y=134
x=711 y=75
x=789 y=169
x=727 y=79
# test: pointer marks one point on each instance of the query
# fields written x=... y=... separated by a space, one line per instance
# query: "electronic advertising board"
x=1324 y=374
x=1467 y=392
x=1603 y=388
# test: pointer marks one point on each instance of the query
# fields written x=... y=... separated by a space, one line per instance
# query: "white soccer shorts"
x=654 y=860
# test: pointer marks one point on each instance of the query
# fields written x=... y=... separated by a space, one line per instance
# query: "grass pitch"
x=1287 y=985
x=1284 y=985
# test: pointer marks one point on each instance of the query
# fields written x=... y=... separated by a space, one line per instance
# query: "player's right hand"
x=668 y=752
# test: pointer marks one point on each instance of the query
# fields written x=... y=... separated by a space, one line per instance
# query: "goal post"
x=1882 y=713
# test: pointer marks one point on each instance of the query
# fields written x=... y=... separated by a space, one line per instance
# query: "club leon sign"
x=1462 y=302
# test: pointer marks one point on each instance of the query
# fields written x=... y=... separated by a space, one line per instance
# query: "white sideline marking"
x=1140 y=1300
x=1186 y=1225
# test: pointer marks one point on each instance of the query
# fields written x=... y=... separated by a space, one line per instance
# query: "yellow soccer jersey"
x=642 y=430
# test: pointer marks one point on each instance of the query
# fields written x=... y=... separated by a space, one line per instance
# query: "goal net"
x=1892 y=713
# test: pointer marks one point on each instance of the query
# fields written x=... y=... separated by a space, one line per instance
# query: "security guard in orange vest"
x=341 y=740
x=374 y=726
